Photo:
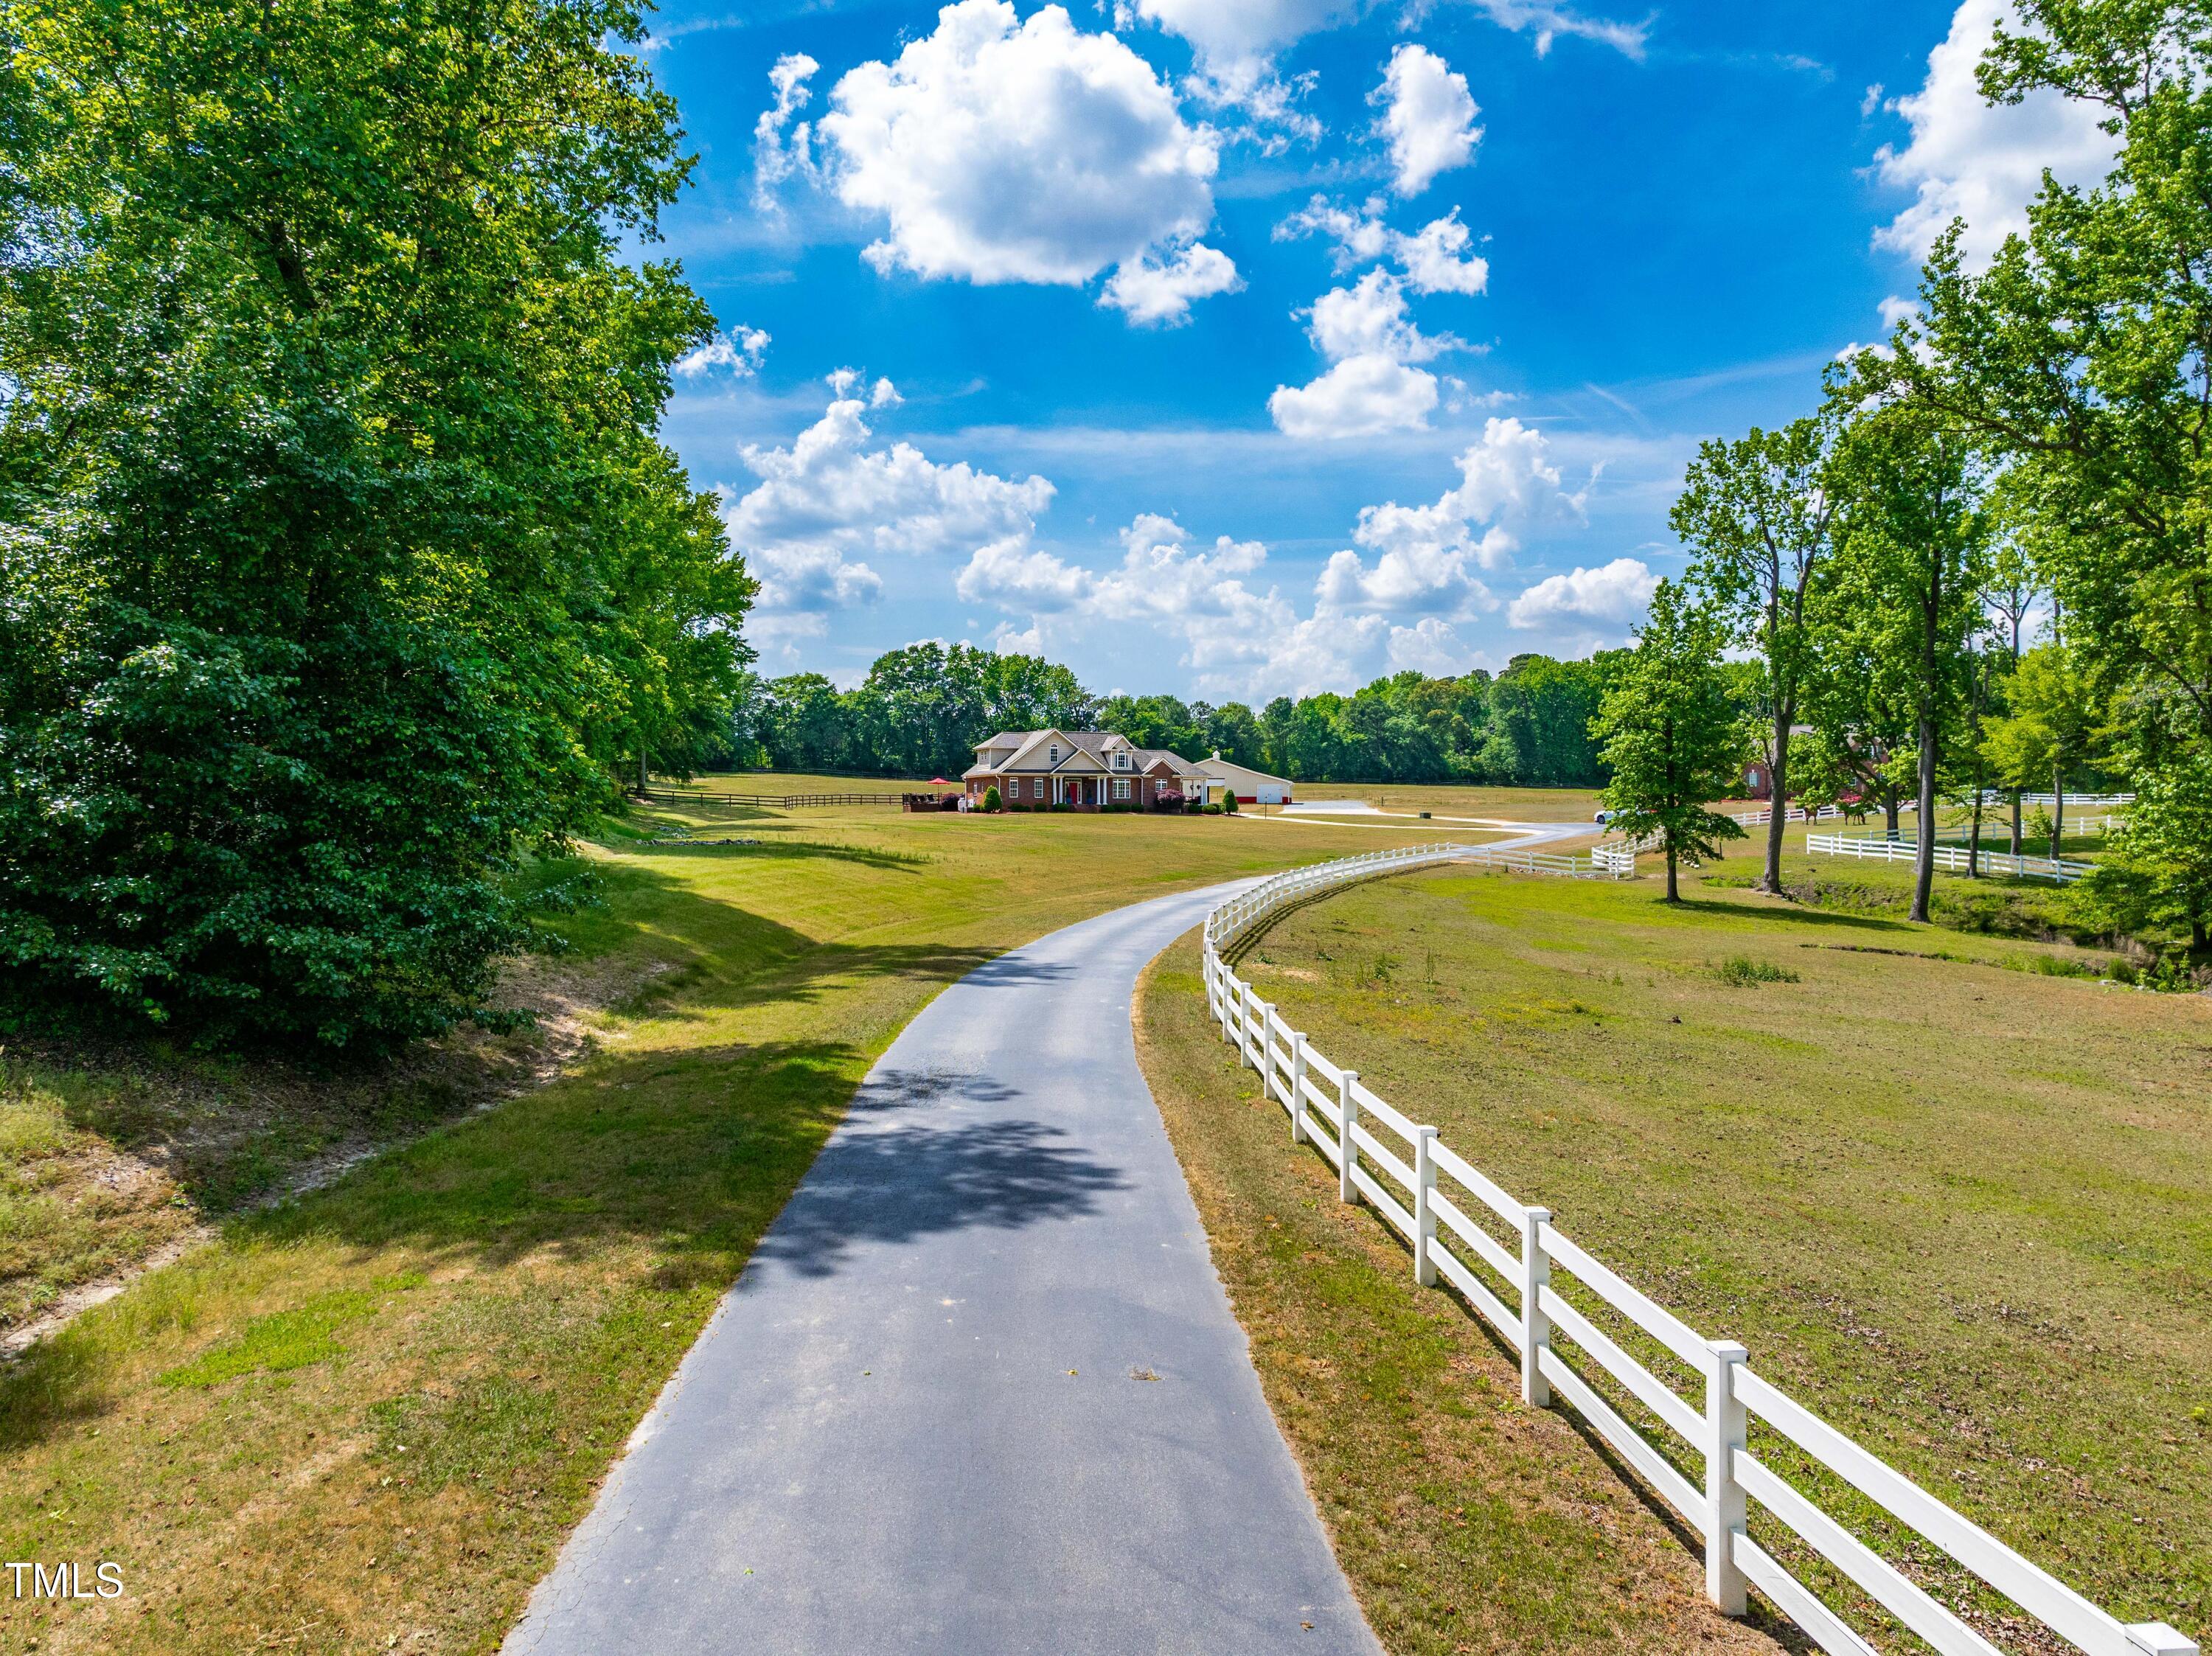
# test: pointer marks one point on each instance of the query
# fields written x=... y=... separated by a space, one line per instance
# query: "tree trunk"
x=2015 y=821
x=1924 y=859
x=1974 y=843
x=1778 y=778
x=1673 y=891
x=1889 y=811
x=2196 y=934
x=2057 y=809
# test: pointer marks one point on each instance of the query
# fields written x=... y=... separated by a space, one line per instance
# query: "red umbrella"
x=940 y=781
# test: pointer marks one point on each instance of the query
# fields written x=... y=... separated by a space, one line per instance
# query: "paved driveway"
x=979 y=1391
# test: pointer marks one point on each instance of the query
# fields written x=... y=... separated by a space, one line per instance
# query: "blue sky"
x=1238 y=348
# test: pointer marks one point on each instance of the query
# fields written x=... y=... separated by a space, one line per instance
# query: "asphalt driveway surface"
x=979 y=1391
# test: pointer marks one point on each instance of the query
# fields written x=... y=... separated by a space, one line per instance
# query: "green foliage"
x=1228 y=803
x=290 y=1339
x=919 y=713
x=2160 y=871
x=1741 y=971
x=1673 y=741
x=991 y=802
x=1761 y=524
x=340 y=571
x=2079 y=355
x=2049 y=731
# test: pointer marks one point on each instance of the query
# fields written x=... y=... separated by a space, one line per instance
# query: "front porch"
x=1084 y=793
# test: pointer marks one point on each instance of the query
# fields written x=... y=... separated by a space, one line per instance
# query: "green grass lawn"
x=1962 y=1210
x=364 y=1421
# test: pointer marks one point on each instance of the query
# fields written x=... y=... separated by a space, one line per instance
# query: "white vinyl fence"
x=2050 y=801
x=1877 y=847
x=1614 y=850
x=1447 y=1210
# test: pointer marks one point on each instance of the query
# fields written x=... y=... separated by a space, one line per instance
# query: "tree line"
x=922 y=711
x=1984 y=561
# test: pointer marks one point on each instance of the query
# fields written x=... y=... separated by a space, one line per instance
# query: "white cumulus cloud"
x=1368 y=320
x=1235 y=43
x=829 y=502
x=739 y=351
x=999 y=150
x=1431 y=647
x=1015 y=575
x=781 y=150
x=1228 y=31
x=1428 y=117
x=1435 y=259
x=1617 y=593
x=1150 y=290
x=1969 y=160
x=1359 y=396
x=1370 y=386
x=1426 y=557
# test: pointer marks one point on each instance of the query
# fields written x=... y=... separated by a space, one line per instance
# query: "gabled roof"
x=1029 y=752
x=1228 y=770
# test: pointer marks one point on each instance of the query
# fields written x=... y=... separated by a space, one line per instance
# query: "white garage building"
x=1251 y=787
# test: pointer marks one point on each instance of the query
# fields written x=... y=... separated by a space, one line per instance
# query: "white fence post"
x=1266 y=1064
x=1726 y=1432
x=1298 y=1087
x=1347 y=1114
x=2156 y=1639
x=1425 y=1209
x=1244 y=1003
x=1535 y=1326
x=1221 y=995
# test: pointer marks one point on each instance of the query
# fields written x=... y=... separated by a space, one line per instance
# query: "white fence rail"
x=1630 y=849
x=2050 y=801
x=1224 y=923
x=1880 y=849
x=1505 y=1258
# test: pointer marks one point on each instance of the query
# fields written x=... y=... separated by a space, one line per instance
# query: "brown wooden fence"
x=663 y=795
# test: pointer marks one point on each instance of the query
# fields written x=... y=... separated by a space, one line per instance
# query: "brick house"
x=1086 y=769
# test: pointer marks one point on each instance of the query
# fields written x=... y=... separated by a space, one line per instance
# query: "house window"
x=1055 y=753
x=1039 y=786
x=1120 y=787
x=1120 y=762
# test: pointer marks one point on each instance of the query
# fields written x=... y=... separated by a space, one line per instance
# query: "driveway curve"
x=979 y=1390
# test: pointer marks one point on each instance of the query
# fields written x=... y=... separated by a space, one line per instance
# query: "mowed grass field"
x=1963 y=1210
x=364 y=1421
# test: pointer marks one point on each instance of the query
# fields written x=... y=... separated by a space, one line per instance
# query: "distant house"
x=1759 y=774
x=1086 y=769
x=1251 y=787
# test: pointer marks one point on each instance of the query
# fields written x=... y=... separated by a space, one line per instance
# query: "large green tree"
x=2049 y=731
x=1670 y=733
x=1906 y=579
x=1760 y=518
x=2084 y=354
x=340 y=567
